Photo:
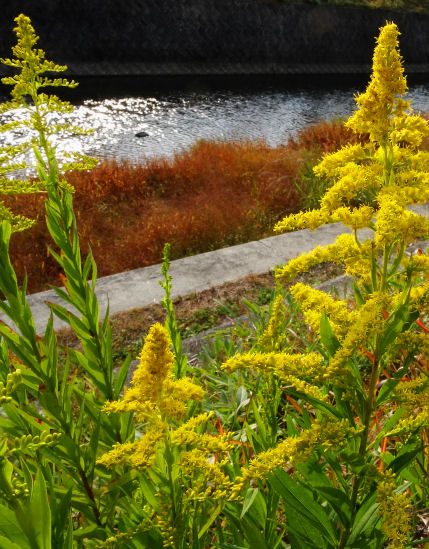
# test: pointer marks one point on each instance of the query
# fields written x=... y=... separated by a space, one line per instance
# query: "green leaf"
x=241 y=395
x=360 y=300
x=403 y=460
x=5 y=543
x=121 y=376
x=253 y=534
x=305 y=517
x=148 y=490
x=327 y=336
x=11 y=530
x=388 y=386
x=365 y=521
x=215 y=513
x=388 y=426
x=338 y=500
x=39 y=513
x=91 y=451
x=354 y=460
x=248 y=500
x=68 y=540
x=229 y=546
x=260 y=424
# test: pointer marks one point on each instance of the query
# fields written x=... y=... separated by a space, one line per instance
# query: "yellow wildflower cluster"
x=394 y=509
x=273 y=338
x=154 y=392
x=315 y=302
x=13 y=381
x=28 y=83
x=157 y=400
x=326 y=434
x=382 y=101
x=369 y=322
x=395 y=222
x=355 y=256
x=413 y=397
x=304 y=220
x=353 y=181
x=118 y=540
x=384 y=175
x=208 y=479
x=293 y=370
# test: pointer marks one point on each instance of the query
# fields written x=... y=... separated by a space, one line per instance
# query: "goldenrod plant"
x=353 y=467
x=51 y=405
x=315 y=432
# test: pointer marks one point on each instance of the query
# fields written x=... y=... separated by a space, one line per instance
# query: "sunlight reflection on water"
x=175 y=121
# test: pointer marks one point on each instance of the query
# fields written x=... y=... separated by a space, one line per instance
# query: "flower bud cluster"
x=13 y=381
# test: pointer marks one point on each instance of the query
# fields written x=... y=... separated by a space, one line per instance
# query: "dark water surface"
x=175 y=113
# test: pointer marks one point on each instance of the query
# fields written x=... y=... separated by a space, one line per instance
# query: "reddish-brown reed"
x=212 y=195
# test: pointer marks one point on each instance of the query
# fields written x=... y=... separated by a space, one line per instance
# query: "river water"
x=174 y=120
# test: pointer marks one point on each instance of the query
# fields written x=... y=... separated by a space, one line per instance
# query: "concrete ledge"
x=140 y=287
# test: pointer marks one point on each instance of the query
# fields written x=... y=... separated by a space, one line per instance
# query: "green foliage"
x=314 y=428
x=181 y=359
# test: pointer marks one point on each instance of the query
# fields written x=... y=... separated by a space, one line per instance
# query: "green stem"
x=369 y=408
x=383 y=281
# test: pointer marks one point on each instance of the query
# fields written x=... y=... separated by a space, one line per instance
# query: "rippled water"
x=173 y=121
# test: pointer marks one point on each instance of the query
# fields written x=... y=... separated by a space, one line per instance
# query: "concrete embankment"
x=140 y=287
x=209 y=37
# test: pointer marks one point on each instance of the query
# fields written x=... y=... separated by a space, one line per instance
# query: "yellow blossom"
x=345 y=250
x=305 y=262
x=332 y=164
x=314 y=302
x=356 y=218
x=382 y=99
x=369 y=321
x=273 y=339
x=395 y=222
x=304 y=220
x=354 y=179
x=394 y=509
x=326 y=434
x=306 y=365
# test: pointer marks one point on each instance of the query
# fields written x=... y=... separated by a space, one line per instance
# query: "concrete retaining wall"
x=211 y=36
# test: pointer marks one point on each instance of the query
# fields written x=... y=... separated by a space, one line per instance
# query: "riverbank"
x=213 y=195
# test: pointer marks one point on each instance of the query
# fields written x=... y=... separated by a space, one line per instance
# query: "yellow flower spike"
x=304 y=220
x=327 y=434
x=395 y=510
x=343 y=250
x=305 y=262
x=369 y=321
x=306 y=365
x=383 y=98
x=358 y=218
x=395 y=222
x=353 y=180
x=273 y=339
x=156 y=362
x=37 y=115
x=118 y=455
x=313 y=302
x=332 y=164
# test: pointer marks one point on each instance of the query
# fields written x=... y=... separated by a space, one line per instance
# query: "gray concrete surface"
x=140 y=287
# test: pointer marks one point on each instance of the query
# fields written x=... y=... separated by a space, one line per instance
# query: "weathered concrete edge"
x=140 y=287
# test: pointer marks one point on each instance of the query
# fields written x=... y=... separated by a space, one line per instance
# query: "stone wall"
x=103 y=37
